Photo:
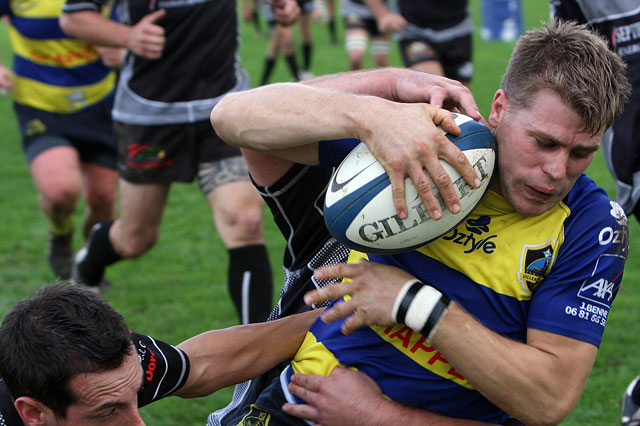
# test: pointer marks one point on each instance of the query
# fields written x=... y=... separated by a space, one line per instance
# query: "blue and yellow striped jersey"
x=558 y=272
x=53 y=72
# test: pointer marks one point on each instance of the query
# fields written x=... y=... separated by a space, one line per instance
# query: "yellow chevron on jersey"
x=522 y=241
x=314 y=358
x=61 y=99
x=65 y=53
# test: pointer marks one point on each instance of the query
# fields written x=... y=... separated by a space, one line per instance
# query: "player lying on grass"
x=67 y=358
x=519 y=323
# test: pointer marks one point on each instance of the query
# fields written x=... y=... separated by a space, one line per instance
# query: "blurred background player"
x=251 y=14
x=63 y=95
x=280 y=39
x=169 y=83
x=434 y=36
x=325 y=11
x=360 y=26
x=618 y=21
x=304 y=23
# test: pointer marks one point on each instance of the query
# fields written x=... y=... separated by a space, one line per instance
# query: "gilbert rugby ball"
x=359 y=211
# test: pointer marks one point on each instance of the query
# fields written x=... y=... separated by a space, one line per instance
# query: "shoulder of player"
x=587 y=201
x=593 y=215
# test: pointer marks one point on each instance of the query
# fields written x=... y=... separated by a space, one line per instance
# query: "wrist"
x=420 y=307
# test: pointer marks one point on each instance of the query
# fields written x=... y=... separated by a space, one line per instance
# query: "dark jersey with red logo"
x=199 y=62
x=165 y=369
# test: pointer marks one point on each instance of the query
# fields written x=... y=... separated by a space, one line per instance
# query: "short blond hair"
x=575 y=63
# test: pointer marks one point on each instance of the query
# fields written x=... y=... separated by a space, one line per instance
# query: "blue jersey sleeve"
x=332 y=152
x=575 y=299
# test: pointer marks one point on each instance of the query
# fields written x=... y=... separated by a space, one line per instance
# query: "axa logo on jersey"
x=600 y=287
x=473 y=239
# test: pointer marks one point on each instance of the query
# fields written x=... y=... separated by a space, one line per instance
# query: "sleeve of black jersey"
x=165 y=368
x=71 y=6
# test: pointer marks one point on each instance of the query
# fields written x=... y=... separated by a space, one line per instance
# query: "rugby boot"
x=630 y=410
x=59 y=254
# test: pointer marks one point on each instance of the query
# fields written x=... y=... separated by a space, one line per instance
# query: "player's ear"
x=498 y=108
x=32 y=412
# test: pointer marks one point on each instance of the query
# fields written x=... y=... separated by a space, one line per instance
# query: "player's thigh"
x=57 y=174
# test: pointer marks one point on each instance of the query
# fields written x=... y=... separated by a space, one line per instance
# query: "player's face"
x=107 y=398
x=542 y=150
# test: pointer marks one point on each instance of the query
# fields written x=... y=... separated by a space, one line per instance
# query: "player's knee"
x=137 y=243
x=103 y=201
x=62 y=197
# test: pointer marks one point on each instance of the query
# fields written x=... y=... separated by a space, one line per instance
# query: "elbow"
x=222 y=120
x=553 y=414
x=66 y=24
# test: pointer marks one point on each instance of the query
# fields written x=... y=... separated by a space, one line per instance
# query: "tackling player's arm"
x=388 y=21
x=221 y=358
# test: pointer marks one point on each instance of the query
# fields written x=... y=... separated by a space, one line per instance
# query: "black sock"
x=99 y=254
x=332 y=30
x=293 y=66
x=268 y=68
x=306 y=56
x=250 y=282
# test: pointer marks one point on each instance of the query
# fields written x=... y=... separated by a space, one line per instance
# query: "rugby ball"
x=359 y=210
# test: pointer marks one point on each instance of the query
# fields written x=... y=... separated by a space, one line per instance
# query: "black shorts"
x=454 y=55
x=89 y=131
x=369 y=25
x=169 y=153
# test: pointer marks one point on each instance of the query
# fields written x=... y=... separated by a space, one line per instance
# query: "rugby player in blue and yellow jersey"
x=63 y=95
x=505 y=314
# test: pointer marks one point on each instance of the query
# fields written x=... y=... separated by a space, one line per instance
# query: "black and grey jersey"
x=199 y=63
x=296 y=201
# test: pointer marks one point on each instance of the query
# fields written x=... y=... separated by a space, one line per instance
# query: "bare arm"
x=145 y=38
x=539 y=382
x=288 y=120
x=364 y=404
x=221 y=358
x=388 y=21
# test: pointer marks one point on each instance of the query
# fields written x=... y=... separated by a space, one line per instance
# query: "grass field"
x=179 y=288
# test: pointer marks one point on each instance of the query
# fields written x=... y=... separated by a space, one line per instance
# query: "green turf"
x=179 y=288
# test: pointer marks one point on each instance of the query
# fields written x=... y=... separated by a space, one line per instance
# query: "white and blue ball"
x=359 y=210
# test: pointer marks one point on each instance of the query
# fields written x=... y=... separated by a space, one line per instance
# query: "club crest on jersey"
x=256 y=417
x=535 y=262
